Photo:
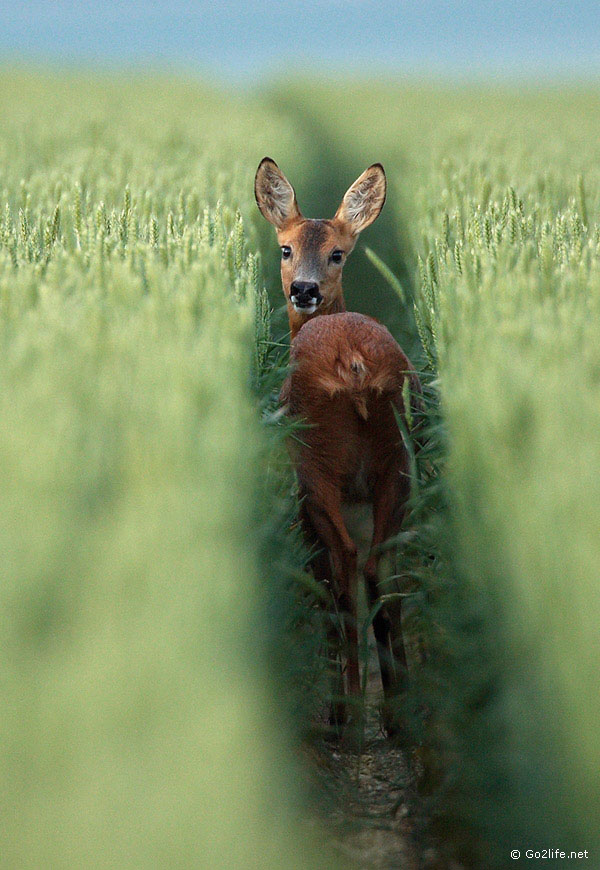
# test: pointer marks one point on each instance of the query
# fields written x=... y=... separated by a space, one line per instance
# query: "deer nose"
x=305 y=294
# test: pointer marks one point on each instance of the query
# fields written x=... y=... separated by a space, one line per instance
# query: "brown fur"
x=313 y=241
x=347 y=379
x=335 y=237
x=347 y=383
x=351 y=355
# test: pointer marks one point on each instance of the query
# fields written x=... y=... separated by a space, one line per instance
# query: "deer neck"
x=298 y=320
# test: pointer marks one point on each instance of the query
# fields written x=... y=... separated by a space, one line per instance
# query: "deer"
x=348 y=382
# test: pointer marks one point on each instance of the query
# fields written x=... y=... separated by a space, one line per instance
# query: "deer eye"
x=336 y=256
x=286 y=252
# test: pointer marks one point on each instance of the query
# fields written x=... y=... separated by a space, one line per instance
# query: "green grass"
x=513 y=307
x=141 y=725
x=160 y=643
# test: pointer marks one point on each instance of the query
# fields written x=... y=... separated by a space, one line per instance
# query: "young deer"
x=347 y=380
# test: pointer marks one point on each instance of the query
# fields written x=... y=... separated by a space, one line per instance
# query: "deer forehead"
x=313 y=238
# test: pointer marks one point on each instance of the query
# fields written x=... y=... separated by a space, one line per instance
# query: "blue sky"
x=238 y=39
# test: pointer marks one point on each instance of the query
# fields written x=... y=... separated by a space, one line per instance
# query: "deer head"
x=313 y=252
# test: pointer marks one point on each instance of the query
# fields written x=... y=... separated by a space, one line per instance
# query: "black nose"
x=305 y=292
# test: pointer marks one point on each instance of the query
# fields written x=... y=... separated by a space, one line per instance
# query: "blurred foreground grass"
x=140 y=726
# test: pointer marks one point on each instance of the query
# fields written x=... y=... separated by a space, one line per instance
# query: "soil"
x=370 y=820
x=370 y=814
x=373 y=816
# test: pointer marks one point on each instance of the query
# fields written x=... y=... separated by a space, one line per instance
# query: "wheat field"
x=161 y=645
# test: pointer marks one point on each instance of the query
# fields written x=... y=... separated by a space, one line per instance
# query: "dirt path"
x=370 y=822
x=372 y=797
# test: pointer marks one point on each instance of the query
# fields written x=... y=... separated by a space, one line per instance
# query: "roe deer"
x=348 y=381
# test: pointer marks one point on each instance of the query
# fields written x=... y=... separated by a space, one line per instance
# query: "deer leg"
x=320 y=566
x=387 y=623
x=326 y=518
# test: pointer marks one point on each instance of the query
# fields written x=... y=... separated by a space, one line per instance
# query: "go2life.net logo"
x=548 y=854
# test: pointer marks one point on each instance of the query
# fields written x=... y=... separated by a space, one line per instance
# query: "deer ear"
x=274 y=194
x=364 y=200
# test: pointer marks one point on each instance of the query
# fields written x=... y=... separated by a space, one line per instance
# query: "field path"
x=369 y=817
